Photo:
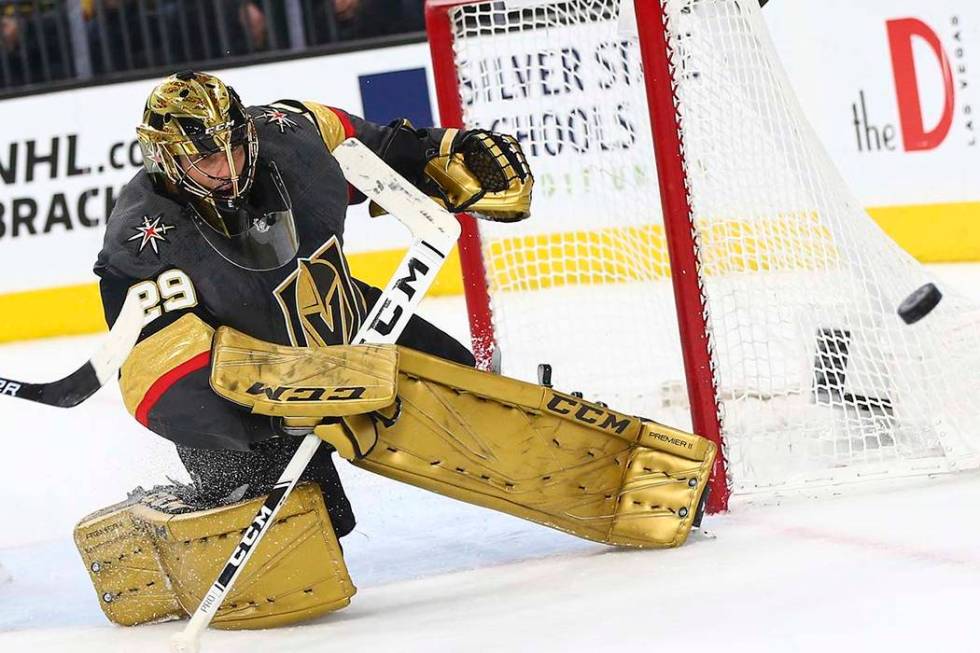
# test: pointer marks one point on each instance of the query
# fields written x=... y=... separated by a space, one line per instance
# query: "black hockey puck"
x=920 y=303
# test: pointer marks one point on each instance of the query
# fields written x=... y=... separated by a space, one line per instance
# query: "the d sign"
x=901 y=33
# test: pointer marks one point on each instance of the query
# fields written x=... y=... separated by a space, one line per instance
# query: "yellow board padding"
x=932 y=233
x=729 y=244
x=49 y=312
x=626 y=254
x=377 y=268
x=77 y=310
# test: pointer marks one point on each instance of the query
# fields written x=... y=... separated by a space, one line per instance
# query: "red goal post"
x=451 y=115
x=690 y=309
x=693 y=254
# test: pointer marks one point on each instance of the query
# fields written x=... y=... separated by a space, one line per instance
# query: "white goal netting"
x=818 y=380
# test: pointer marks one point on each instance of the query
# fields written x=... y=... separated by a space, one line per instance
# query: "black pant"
x=217 y=473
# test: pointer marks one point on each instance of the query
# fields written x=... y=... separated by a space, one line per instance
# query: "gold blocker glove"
x=516 y=447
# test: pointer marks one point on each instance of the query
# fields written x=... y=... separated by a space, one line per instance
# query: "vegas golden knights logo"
x=320 y=303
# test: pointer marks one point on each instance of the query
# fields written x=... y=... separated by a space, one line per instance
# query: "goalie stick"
x=435 y=231
x=86 y=380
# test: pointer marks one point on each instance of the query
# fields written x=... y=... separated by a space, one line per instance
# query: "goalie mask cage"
x=742 y=291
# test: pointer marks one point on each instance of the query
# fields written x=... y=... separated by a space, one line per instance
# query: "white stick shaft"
x=435 y=230
x=122 y=338
x=250 y=541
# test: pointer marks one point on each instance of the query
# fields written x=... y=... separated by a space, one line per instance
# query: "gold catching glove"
x=483 y=173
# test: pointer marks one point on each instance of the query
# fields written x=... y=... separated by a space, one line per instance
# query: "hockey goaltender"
x=232 y=235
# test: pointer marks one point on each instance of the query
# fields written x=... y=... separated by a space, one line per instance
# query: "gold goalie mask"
x=192 y=124
x=190 y=117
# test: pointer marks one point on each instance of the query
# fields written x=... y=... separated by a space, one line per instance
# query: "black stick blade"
x=63 y=393
x=86 y=380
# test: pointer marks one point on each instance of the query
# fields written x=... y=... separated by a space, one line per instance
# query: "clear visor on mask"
x=263 y=232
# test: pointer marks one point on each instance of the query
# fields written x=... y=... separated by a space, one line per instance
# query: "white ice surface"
x=876 y=568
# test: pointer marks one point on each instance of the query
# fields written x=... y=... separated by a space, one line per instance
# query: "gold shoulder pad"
x=332 y=129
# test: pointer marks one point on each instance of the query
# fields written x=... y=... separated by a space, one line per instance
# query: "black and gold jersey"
x=187 y=290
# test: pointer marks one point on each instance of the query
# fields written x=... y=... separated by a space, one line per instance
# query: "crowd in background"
x=39 y=39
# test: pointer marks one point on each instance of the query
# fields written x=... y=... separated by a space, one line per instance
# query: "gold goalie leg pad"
x=153 y=557
x=520 y=448
x=542 y=455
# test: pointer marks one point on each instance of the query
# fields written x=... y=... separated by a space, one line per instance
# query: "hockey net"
x=786 y=288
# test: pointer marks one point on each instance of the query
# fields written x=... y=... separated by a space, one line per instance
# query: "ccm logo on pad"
x=292 y=393
x=589 y=414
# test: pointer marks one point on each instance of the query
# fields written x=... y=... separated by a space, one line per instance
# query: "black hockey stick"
x=100 y=367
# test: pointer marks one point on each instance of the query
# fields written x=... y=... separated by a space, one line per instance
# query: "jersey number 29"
x=173 y=288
